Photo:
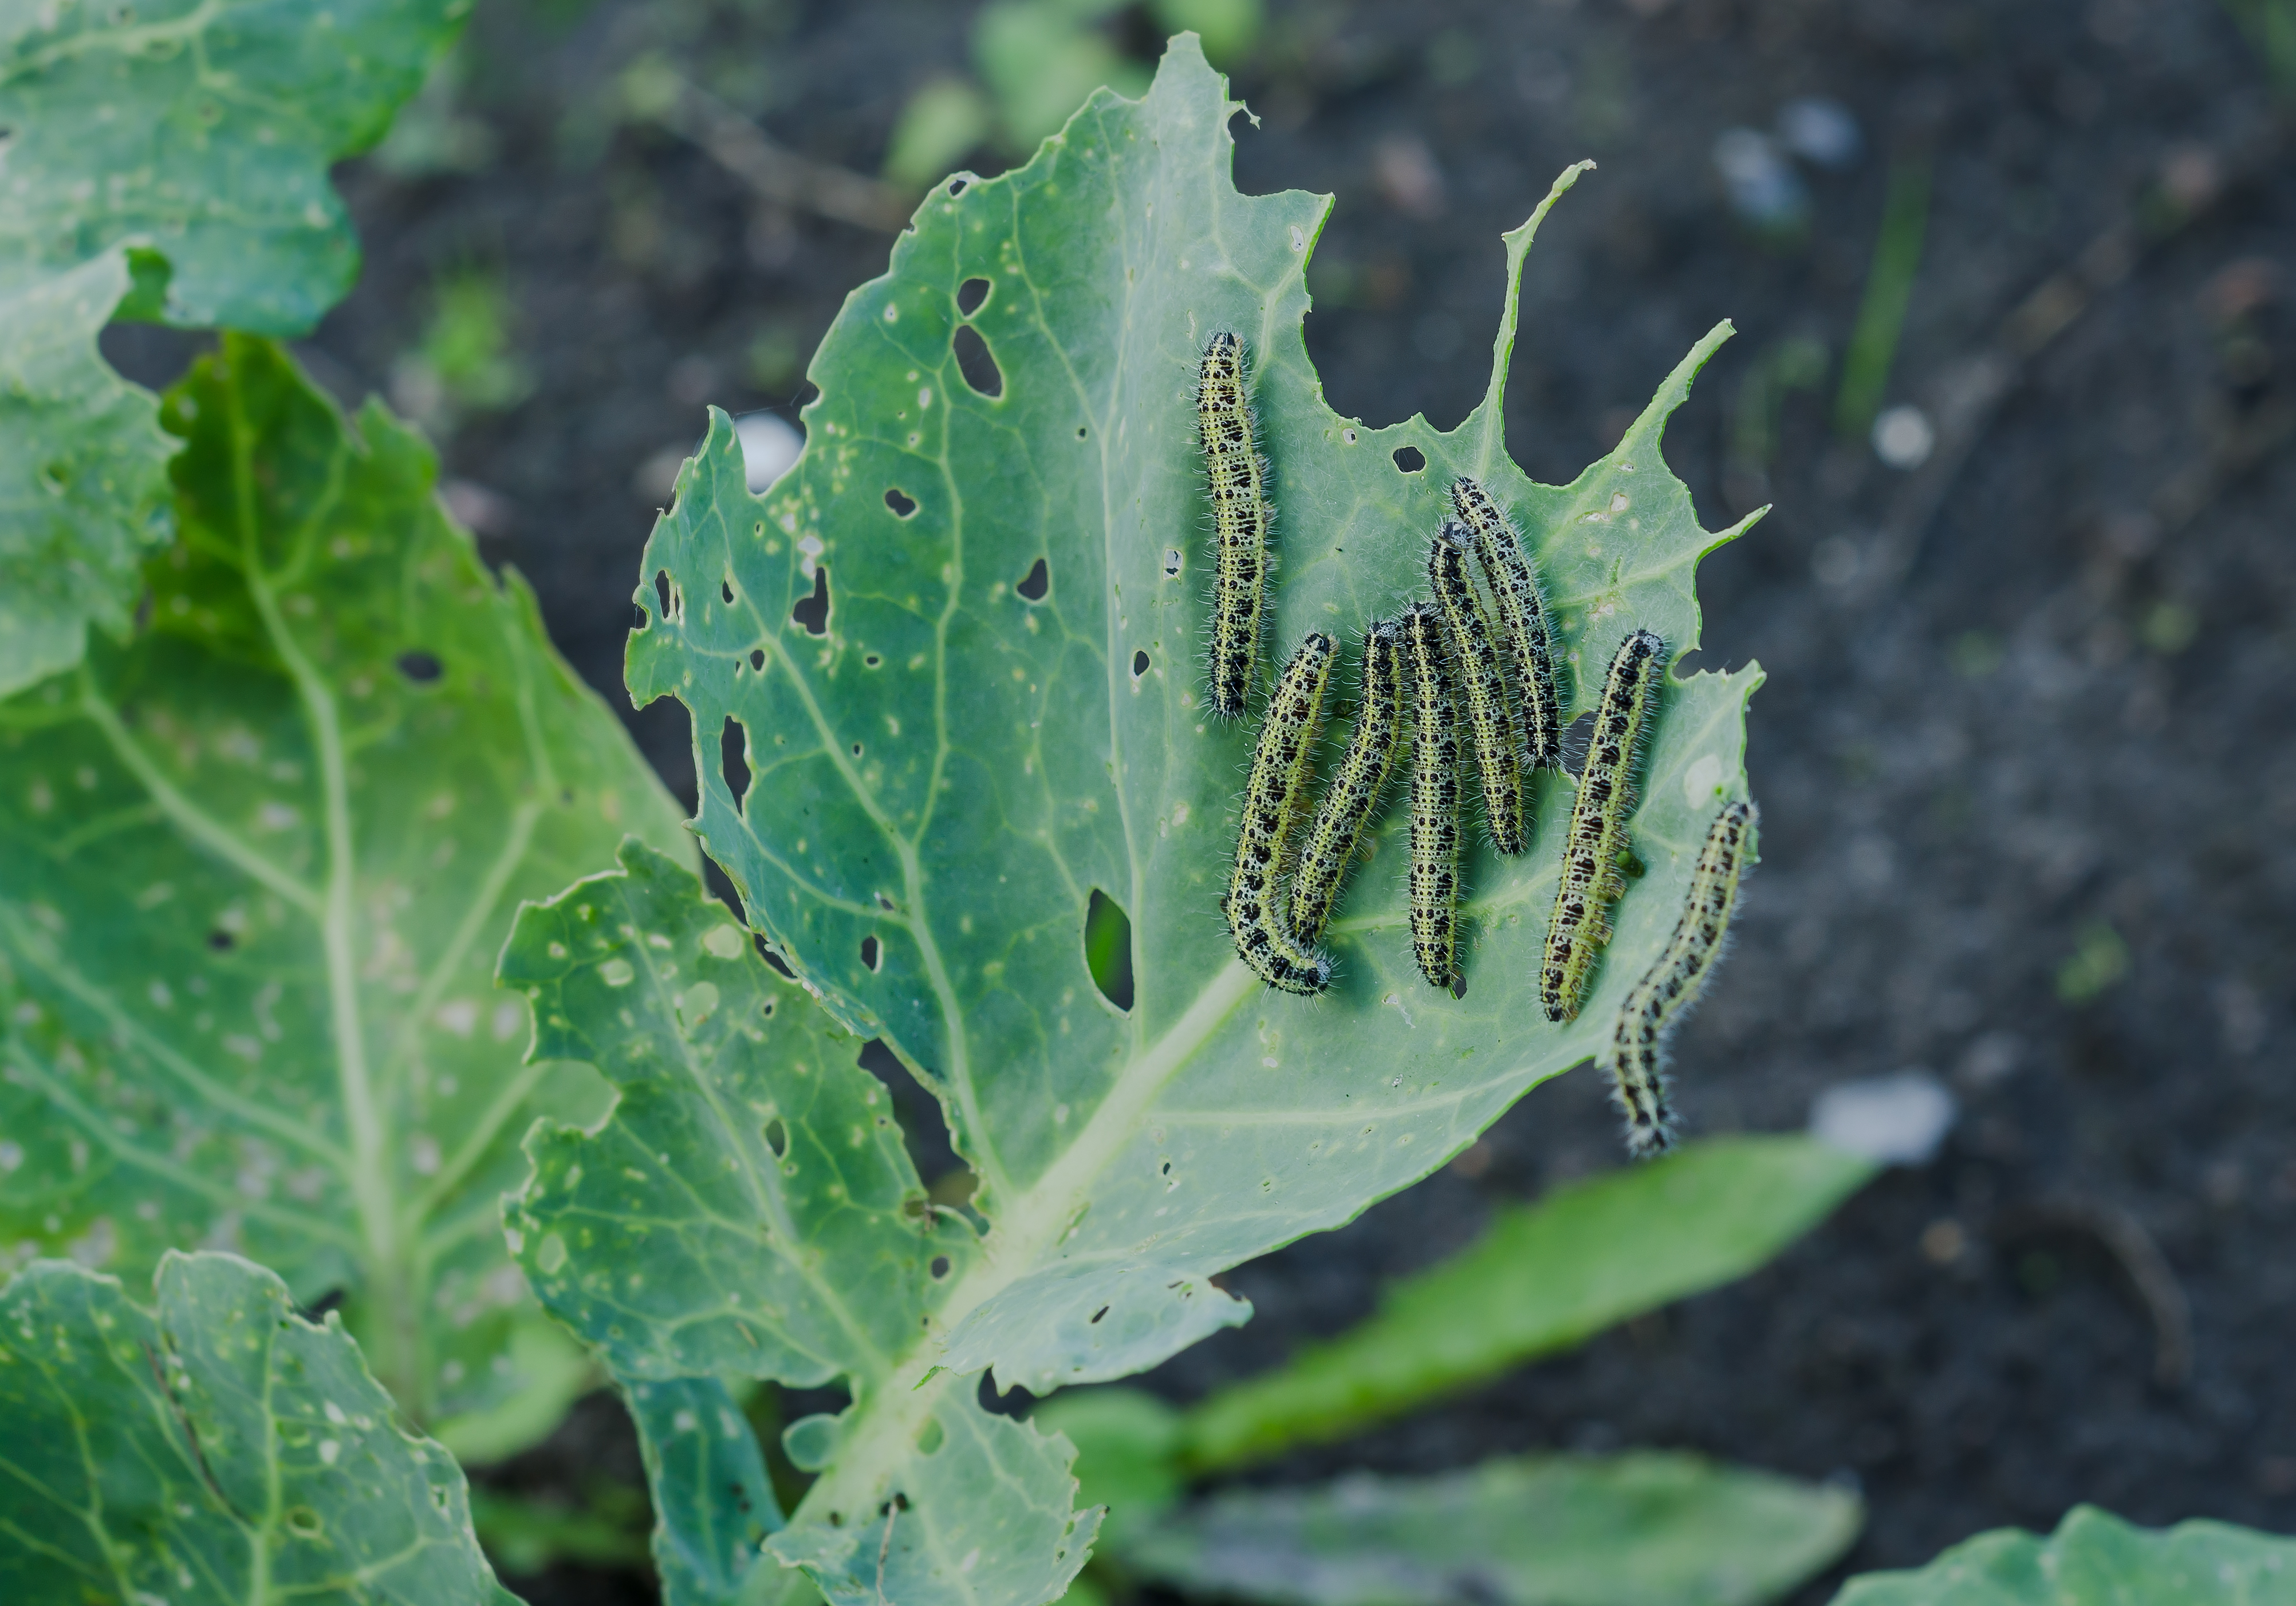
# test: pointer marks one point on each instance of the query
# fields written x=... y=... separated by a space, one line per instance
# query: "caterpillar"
x=1490 y=716
x=1355 y=790
x=1281 y=764
x=1669 y=987
x=1241 y=520
x=1434 y=800
x=1521 y=617
x=1590 y=856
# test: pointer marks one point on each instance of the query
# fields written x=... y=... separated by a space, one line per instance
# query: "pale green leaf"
x=1542 y=1277
x=1639 y=1530
x=203 y=129
x=718 y=1506
x=82 y=494
x=218 y=1450
x=196 y=135
x=946 y=771
x=255 y=867
x=2095 y=1559
x=749 y=1209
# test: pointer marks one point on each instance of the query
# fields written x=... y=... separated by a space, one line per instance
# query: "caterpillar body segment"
x=1525 y=637
x=1242 y=518
x=1490 y=711
x=1355 y=789
x=1590 y=877
x=1281 y=765
x=1663 y=996
x=1434 y=882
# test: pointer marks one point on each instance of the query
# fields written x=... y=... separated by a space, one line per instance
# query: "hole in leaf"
x=1171 y=562
x=1139 y=665
x=781 y=965
x=871 y=953
x=813 y=612
x=726 y=590
x=857 y=750
x=957 y=186
x=1577 y=737
x=777 y=1138
x=1035 y=583
x=222 y=941
x=1079 y=431
x=734 y=757
x=661 y=591
x=870 y=661
x=419 y=667
x=1098 y=1314
x=1108 y=948
x=902 y=503
x=758 y=659
x=940 y=1267
x=972 y=294
x=304 y=1523
x=976 y=362
x=1410 y=459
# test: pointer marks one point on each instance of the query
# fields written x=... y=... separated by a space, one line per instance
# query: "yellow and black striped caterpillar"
x=1281 y=764
x=1355 y=790
x=1523 y=630
x=1669 y=987
x=1242 y=518
x=1490 y=712
x=1591 y=878
x=1434 y=799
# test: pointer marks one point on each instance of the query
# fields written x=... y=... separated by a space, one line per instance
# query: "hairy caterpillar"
x=1590 y=856
x=1490 y=716
x=1280 y=764
x=1669 y=987
x=1355 y=790
x=1434 y=800
x=1241 y=519
x=1522 y=619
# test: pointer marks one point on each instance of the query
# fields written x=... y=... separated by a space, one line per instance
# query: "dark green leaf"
x=254 y=869
x=217 y=1451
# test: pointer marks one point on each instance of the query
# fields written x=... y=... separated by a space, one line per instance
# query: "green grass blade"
x=1639 y=1530
x=1544 y=1277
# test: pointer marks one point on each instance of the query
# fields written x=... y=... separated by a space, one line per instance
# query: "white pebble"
x=1897 y=1120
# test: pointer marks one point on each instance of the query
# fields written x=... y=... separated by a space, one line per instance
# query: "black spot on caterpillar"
x=1241 y=518
x=1281 y=764
x=1355 y=789
x=1490 y=712
x=1434 y=799
x=1590 y=854
x=1521 y=609
x=1663 y=996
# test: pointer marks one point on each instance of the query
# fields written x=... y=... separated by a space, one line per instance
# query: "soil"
x=2027 y=702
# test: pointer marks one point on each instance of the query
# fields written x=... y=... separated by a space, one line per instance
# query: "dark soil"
x=2010 y=707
